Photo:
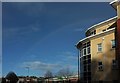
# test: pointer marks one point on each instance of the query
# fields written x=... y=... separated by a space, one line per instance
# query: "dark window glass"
x=99 y=63
x=100 y=66
x=84 y=57
x=89 y=56
x=88 y=50
x=94 y=31
x=84 y=51
x=89 y=67
x=88 y=44
x=113 y=43
x=104 y=30
x=89 y=60
x=114 y=64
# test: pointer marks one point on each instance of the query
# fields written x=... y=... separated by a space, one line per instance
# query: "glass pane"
x=113 y=43
x=84 y=51
x=88 y=50
x=99 y=47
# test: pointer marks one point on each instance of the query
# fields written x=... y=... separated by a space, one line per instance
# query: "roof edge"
x=93 y=36
x=115 y=17
x=114 y=1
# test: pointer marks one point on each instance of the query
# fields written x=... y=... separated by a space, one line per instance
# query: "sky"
x=42 y=35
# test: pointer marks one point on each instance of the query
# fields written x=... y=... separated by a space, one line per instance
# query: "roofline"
x=100 y=23
x=114 y=4
x=94 y=36
x=114 y=1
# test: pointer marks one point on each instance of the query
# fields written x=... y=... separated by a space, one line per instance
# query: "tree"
x=48 y=74
x=12 y=77
x=65 y=72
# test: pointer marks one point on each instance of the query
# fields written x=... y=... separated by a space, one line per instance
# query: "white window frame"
x=83 y=52
x=99 y=47
x=87 y=51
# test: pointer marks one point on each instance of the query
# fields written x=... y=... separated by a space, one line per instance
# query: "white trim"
x=100 y=23
x=87 y=50
x=113 y=2
x=82 y=40
x=82 y=51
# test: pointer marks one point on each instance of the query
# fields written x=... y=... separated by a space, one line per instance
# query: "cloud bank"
x=38 y=65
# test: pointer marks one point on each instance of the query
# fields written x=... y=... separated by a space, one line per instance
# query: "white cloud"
x=37 y=65
x=65 y=60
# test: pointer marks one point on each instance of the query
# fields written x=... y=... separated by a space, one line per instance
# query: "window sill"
x=112 y=49
x=99 y=52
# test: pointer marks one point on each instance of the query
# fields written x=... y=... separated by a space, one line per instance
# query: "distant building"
x=98 y=58
x=70 y=79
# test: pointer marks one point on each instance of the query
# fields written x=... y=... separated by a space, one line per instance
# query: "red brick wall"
x=118 y=42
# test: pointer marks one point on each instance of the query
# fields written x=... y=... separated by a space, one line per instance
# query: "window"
x=89 y=67
x=114 y=64
x=100 y=66
x=84 y=51
x=89 y=60
x=84 y=45
x=84 y=57
x=88 y=44
x=104 y=30
x=113 y=43
x=93 y=32
x=89 y=56
x=88 y=50
x=99 y=47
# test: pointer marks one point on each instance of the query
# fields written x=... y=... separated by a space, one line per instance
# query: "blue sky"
x=43 y=35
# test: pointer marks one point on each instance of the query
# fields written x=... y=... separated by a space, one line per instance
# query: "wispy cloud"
x=69 y=55
x=38 y=65
x=68 y=59
x=65 y=59
x=31 y=9
x=13 y=31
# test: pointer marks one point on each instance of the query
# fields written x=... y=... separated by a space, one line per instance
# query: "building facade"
x=98 y=58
